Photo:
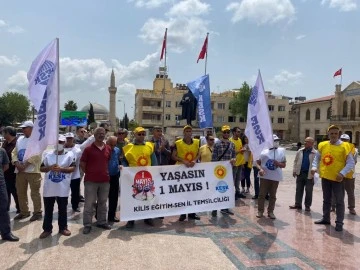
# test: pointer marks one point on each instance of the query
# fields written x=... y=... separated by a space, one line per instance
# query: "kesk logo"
x=143 y=187
x=45 y=72
x=222 y=187
x=56 y=177
x=220 y=171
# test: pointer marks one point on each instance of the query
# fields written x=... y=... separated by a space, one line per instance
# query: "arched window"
x=317 y=114
x=345 y=110
x=328 y=114
x=352 y=110
x=307 y=117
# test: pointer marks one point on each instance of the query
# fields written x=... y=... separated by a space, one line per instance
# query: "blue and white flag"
x=201 y=90
x=44 y=94
x=258 y=127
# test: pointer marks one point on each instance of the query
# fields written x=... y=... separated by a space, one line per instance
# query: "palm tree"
x=70 y=106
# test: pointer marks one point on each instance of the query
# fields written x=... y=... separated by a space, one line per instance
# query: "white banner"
x=158 y=191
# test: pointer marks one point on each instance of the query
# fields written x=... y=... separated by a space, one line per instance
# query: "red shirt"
x=96 y=160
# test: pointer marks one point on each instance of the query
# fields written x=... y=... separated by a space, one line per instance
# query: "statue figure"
x=188 y=103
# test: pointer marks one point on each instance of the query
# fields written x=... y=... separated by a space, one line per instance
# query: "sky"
x=297 y=44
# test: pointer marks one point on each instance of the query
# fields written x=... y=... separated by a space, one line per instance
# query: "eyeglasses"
x=226 y=132
x=121 y=133
x=211 y=139
x=141 y=134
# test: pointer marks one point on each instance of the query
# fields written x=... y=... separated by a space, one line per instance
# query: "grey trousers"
x=267 y=186
x=237 y=170
x=349 y=185
x=95 y=192
x=4 y=214
x=302 y=182
x=336 y=189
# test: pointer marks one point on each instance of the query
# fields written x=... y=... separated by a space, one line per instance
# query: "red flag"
x=163 y=50
x=337 y=73
x=203 y=50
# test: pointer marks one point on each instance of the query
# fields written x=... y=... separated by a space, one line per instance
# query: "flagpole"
x=341 y=78
x=207 y=35
x=58 y=101
x=163 y=91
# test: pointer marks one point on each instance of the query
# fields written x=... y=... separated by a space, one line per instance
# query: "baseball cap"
x=69 y=135
x=187 y=126
x=332 y=127
x=226 y=127
x=139 y=129
x=27 y=124
x=345 y=137
x=275 y=137
x=62 y=138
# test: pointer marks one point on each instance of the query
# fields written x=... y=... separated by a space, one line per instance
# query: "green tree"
x=239 y=104
x=91 y=116
x=70 y=106
x=14 y=108
x=133 y=124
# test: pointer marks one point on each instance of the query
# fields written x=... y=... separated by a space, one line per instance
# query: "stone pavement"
x=242 y=241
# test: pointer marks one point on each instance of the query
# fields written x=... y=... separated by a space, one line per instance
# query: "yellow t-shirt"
x=205 y=153
x=240 y=160
x=187 y=151
x=138 y=154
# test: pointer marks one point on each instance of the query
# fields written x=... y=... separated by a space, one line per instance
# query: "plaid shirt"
x=219 y=149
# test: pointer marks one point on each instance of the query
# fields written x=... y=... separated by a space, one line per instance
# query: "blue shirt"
x=306 y=161
x=114 y=161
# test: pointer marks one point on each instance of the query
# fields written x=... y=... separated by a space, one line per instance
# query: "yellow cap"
x=139 y=129
x=226 y=127
x=332 y=127
x=187 y=126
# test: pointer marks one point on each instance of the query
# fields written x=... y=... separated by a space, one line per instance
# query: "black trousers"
x=113 y=195
x=333 y=188
x=10 y=181
x=62 y=203
x=75 y=193
x=4 y=214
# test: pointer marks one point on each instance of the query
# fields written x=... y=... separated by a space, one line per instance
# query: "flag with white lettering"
x=44 y=94
x=201 y=90
x=258 y=127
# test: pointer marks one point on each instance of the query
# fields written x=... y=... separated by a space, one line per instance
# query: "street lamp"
x=121 y=101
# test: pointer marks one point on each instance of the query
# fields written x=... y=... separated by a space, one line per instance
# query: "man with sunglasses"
x=139 y=153
x=80 y=135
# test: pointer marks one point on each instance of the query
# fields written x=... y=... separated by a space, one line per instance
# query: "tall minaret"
x=112 y=104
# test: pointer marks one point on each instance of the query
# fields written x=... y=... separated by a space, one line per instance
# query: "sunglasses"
x=226 y=132
x=141 y=134
x=211 y=139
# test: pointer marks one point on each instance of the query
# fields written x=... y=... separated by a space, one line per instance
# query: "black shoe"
x=193 y=216
x=255 y=197
x=130 y=224
x=36 y=216
x=226 y=212
x=295 y=206
x=9 y=237
x=182 y=217
x=267 y=197
x=87 y=230
x=104 y=226
x=81 y=198
x=149 y=222
x=115 y=219
x=338 y=227
x=214 y=213
x=240 y=196
x=322 y=222
x=76 y=210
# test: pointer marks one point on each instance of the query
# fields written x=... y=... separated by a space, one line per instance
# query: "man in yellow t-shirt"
x=333 y=161
x=239 y=163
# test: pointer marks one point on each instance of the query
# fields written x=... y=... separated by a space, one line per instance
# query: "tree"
x=238 y=105
x=91 y=116
x=70 y=106
x=14 y=108
x=133 y=124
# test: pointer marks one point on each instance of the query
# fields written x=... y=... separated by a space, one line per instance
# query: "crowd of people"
x=98 y=159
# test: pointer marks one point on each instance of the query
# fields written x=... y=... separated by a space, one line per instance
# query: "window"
x=317 y=114
x=221 y=106
x=281 y=108
x=212 y=105
x=177 y=104
x=272 y=120
x=232 y=119
x=307 y=117
x=168 y=104
x=352 y=110
x=307 y=133
x=167 y=116
x=271 y=108
x=345 y=109
x=328 y=114
x=281 y=120
x=241 y=119
x=317 y=132
x=220 y=119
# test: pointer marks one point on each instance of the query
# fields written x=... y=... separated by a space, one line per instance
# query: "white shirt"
x=77 y=155
x=267 y=158
x=21 y=145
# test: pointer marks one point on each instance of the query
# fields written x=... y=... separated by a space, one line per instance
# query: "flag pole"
x=207 y=38
x=163 y=91
x=58 y=101
x=341 y=78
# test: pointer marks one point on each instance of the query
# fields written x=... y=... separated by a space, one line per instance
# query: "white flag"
x=44 y=94
x=258 y=127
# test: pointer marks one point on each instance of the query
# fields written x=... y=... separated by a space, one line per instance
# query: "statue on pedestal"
x=188 y=103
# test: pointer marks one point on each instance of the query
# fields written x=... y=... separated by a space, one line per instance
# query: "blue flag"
x=201 y=90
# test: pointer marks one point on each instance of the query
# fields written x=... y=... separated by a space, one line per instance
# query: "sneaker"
x=226 y=212
x=259 y=214
x=21 y=216
x=87 y=230
x=65 y=232
x=44 y=234
x=36 y=216
x=352 y=211
x=271 y=215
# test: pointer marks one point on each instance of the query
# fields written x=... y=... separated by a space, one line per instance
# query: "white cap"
x=276 y=138
x=62 y=138
x=69 y=135
x=27 y=124
x=345 y=137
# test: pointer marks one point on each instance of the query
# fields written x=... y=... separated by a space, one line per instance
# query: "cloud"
x=300 y=37
x=149 y=3
x=343 y=5
x=262 y=11
x=13 y=29
x=18 y=80
x=2 y=23
x=189 y=8
x=5 y=61
x=286 y=77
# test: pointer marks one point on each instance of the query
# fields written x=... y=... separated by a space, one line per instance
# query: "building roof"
x=326 y=98
x=98 y=108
